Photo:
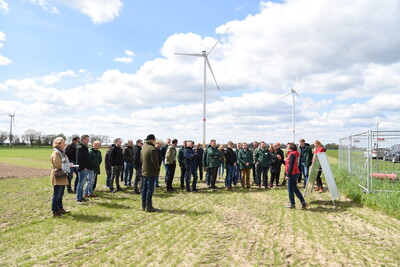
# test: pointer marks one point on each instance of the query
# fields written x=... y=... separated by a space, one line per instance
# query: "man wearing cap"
x=150 y=171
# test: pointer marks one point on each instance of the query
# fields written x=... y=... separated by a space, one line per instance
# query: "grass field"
x=238 y=228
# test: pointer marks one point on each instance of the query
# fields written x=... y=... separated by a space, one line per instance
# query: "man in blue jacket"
x=190 y=161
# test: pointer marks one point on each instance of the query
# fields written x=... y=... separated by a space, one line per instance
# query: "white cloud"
x=128 y=59
x=129 y=53
x=57 y=76
x=3 y=7
x=3 y=60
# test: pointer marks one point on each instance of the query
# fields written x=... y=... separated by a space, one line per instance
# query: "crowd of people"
x=262 y=160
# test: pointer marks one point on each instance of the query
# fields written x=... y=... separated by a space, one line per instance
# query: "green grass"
x=238 y=228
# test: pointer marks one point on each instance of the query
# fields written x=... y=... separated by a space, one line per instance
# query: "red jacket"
x=318 y=150
x=295 y=168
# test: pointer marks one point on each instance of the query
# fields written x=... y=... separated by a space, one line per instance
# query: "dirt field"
x=15 y=171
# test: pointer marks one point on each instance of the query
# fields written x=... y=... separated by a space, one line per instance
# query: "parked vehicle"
x=393 y=153
x=376 y=153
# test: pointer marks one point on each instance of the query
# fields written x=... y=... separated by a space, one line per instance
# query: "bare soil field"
x=16 y=171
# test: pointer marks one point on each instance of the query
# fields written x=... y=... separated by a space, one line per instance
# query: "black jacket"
x=107 y=162
x=159 y=156
x=275 y=162
x=199 y=152
x=83 y=157
x=128 y=154
x=163 y=151
x=116 y=157
x=136 y=156
x=70 y=151
x=230 y=156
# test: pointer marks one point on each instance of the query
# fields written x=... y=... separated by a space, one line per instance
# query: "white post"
x=293 y=118
x=204 y=103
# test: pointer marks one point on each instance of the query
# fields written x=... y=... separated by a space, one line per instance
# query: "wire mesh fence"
x=374 y=157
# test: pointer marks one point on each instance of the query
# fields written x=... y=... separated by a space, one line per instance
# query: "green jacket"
x=263 y=156
x=245 y=157
x=305 y=154
x=150 y=161
x=95 y=159
x=211 y=157
x=180 y=156
x=170 y=155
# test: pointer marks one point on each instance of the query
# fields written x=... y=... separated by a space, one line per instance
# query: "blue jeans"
x=147 y=190
x=83 y=176
x=166 y=172
x=108 y=178
x=304 y=171
x=230 y=172
x=189 y=172
x=90 y=183
x=293 y=189
x=221 y=169
x=128 y=169
x=58 y=193
x=237 y=177
x=208 y=176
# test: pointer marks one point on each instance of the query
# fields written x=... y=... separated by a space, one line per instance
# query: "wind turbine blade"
x=13 y=119
x=194 y=55
x=209 y=66
x=283 y=97
x=218 y=41
x=15 y=111
x=305 y=100
x=297 y=76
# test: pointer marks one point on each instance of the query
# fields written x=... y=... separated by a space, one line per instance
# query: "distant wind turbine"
x=294 y=93
x=12 y=121
x=205 y=55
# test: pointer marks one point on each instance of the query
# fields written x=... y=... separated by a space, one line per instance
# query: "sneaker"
x=63 y=211
x=56 y=214
x=93 y=195
x=321 y=190
x=304 y=205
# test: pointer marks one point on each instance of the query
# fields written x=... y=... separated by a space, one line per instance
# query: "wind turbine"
x=205 y=55
x=294 y=94
x=12 y=121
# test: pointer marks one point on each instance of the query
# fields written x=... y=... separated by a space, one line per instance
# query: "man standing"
x=107 y=165
x=263 y=161
x=212 y=161
x=85 y=171
x=163 y=152
x=238 y=175
x=199 y=151
x=127 y=153
x=150 y=170
x=230 y=160
x=190 y=161
x=70 y=151
x=246 y=162
x=95 y=160
x=137 y=164
x=305 y=160
x=254 y=150
x=158 y=147
x=170 y=161
x=117 y=162
x=182 y=164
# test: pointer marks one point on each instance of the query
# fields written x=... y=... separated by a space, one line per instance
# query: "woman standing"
x=276 y=163
x=292 y=173
x=61 y=168
x=222 y=167
x=318 y=148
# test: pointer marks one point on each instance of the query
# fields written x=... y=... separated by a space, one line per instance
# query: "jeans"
x=166 y=172
x=293 y=189
x=208 y=176
x=108 y=179
x=58 y=193
x=200 y=166
x=128 y=173
x=90 y=183
x=115 y=173
x=189 y=172
x=138 y=178
x=83 y=176
x=303 y=171
x=171 y=173
x=230 y=172
x=261 y=171
x=221 y=169
x=147 y=191
x=237 y=178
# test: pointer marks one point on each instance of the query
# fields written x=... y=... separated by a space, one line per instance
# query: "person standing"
x=291 y=175
x=163 y=150
x=222 y=167
x=95 y=160
x=263 y=161
x=246 y=164
x=170 y=161
x=85 y=171
x=150 y=171
x=199 y=151
x=305 y=160
x=182 y=164
x=238 y=174
x=190 y=161
x=70 y=151
x=137 y=164
x=158 y=147
x=206 y=169
x=117 y=162
x=253 y=150
x=318 y=148
x=230 y=163
x=60 y=163
x=277 y=160
x=127 y=153
x=212 y=161
x=107 y=166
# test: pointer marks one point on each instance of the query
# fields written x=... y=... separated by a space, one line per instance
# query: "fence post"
x=349 y=152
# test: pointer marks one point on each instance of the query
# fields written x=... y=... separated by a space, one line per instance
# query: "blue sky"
x=108 y=67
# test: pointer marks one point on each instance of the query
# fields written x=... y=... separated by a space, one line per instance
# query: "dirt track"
x=15 y=171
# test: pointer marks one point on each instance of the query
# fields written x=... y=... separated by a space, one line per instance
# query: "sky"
x=108 y=67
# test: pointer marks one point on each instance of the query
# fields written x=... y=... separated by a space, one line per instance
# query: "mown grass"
x=238 y=228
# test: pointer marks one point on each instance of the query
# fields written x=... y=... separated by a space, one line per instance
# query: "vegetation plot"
x=237 y=228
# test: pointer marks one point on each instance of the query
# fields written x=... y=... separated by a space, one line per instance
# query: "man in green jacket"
x=262 y=161
x=150 y=172
x=170 y=162
x=95 y=160
x=212 y=160
x=246 y=164
x=305 y=160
